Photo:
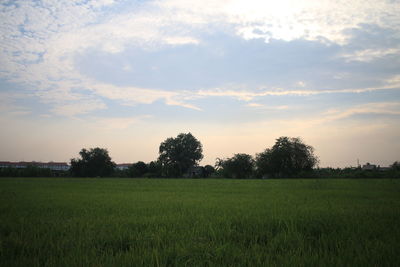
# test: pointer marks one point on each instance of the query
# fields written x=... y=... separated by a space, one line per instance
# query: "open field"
x=159 y=222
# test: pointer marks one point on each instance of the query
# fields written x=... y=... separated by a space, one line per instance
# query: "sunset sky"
x=237 y=74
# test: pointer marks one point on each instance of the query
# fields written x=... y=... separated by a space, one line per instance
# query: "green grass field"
x=180 y=222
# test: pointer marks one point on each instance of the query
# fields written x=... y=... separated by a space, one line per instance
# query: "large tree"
x=395 y=166
x=93 y=162
x=239 y=166
x=154 y=169
x=288 y=157
x=178 y=154
x=138 y=169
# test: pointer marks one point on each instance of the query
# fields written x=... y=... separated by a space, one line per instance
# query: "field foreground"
x=177 y=222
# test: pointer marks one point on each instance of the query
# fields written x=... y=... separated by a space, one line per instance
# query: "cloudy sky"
x=237 y=74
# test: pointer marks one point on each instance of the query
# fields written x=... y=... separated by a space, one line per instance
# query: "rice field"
x=199 y=222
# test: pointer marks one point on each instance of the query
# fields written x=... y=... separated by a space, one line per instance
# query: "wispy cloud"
x=73 y=109
x=368 y=55
x=383 y=108
x=333 y=116
x=40 y=40
x=8 y=104
x=118 y=123
x=267 y=107
x=133 y=95
x=287 y=19
x=392 y=84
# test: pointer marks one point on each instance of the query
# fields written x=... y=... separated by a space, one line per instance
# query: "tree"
x=239 y=166
x=395 y=166
x=93 y=162
x=138 y=169
x=208 y=170
x=154 y=169
x=288 y=157
x=178 y=154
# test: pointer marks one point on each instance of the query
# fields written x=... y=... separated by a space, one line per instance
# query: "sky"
x=237 y=74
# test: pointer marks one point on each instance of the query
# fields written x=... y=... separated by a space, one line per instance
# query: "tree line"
x=180 y=156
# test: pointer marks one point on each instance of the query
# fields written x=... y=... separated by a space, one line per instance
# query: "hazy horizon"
x=126 y=75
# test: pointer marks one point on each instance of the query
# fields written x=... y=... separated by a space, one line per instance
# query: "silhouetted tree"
x=208 y=170
x=93 y=162
x=138 y=169
x=29 y=171
x=395 y=166
x=154 y=169
x=288 y=157
x=178 y=154
x=239 y=166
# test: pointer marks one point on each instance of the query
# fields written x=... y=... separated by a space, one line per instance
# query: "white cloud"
x=248 y=95
x=101 y=3
x=289 y=19
x=8 y=104
x=117 y=123
x=301 y=84
x=394 y=80
x=40 y=40
x=368 y=55
x=330 y=117
x=178 y=40
x=255 y=105
x=267 y=107
x=77 y=108
x=132 y=95
x=53 y=76
x=386 y=108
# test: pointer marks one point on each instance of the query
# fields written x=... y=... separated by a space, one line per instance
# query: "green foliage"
x=212 y=222
x=29 y=171
x=178 y=154
x=208 y=170
x=239 y=166
x=352 y=173
x=154 y=169
x=138 y=169
x=287 y=158
x=94 y=162
x=395 y=166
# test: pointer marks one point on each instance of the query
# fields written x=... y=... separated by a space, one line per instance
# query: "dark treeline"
x=154 y=170
x=180 y=157
x=31 y=171
x=392 y=172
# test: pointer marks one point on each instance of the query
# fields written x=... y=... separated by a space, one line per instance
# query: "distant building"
x=123 y=166
x=368 y=167
x=55 y=166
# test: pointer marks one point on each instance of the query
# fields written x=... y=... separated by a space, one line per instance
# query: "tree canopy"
x=239 y=166
x=93 y=162
x=178 y=154
x=138 y=169
x=395 y=166
x=288 y=157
